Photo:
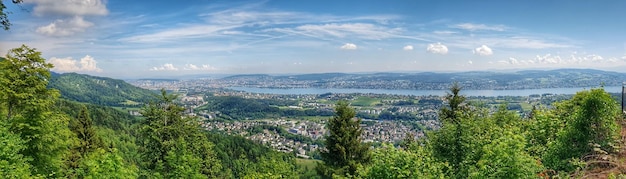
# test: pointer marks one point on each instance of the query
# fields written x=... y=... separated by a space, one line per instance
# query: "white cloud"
x=342 y=30
x=477 y=27
x=445 y=32
x=408 y=47
x=165 y=67
x=69 y=7
x=86 y=64
x=437 y=48
x=513 y=61
x=199 y=68
x=70 y=15
x=65 y=27
x=624 y=57
x=483 y=51
x=349 y=46
x=470 y=62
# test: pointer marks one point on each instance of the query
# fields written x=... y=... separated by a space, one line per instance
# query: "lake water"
x=524 y=92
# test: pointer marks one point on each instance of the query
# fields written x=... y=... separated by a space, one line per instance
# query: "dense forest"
x=45 y=136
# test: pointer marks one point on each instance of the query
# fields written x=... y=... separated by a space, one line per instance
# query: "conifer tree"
x=345 y=150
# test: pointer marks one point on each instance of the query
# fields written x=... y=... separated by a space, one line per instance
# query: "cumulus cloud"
x=470 y=62
x=624 y=57
x=86 y=64
x=66 y=27
x=477 y=27
x=437 y=48
x=483 y=51
x=408 y=47
x=71 y=15
x=349 y=46
x=165 y=67
x=196 y=67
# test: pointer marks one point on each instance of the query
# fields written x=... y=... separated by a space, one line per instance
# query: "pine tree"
x=345 y=150
x=86 y=133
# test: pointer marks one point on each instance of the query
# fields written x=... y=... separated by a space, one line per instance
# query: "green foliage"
x=12 y=163
x=506 y=157
x=233 y=107
x=26 y=103
x=168 y=138
x=99 y=90
x=590 y=123
x=390 y=162
x=83 y=127
x=241 y=157
x=105 y=164
x=344 y=150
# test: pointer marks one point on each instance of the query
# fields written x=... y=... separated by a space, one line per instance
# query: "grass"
x=308 y=164
x=365 y=101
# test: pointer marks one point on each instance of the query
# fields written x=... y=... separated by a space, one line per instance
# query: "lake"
x=524 y=92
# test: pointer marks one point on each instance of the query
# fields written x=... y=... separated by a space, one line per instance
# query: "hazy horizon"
x=155 y=39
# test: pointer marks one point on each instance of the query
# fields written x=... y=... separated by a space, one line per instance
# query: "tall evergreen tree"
x=447 y=142
x=86 y=133
x=345 y=149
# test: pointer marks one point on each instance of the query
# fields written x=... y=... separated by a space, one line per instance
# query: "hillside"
x=99 y=90
x=477 y=80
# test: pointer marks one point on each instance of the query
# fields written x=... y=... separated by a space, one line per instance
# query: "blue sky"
x=136 y=39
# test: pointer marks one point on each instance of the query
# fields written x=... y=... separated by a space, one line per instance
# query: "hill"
x=99 y=90
x=475 y=80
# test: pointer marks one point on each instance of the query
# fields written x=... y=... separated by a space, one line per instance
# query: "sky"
x=158 y=38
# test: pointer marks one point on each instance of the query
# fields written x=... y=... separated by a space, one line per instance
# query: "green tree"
x=26 y=105
x=506 y=157
x=591 y=125
x=83 y=127
x=101 y=163
x=345 y=150
x=4 y=19
x=390 y=162
x=168 y=138
x=448 y=143
x=12 y=163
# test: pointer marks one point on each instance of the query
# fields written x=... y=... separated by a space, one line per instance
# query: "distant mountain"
x=529 y=79
x=99 y=90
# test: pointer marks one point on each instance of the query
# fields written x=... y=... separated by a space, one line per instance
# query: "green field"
x=365 y=101
x=308 y=164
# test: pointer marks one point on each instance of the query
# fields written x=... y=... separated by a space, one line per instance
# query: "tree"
x=345 y=150
x=590 y=125
x=4 y=19
x=26 y=106
x=86 y=133
x=12 y=163
x=447 y=142
x=169 y=139
x=390 y=162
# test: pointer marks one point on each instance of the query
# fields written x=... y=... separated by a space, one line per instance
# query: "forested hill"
x=99 y=90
